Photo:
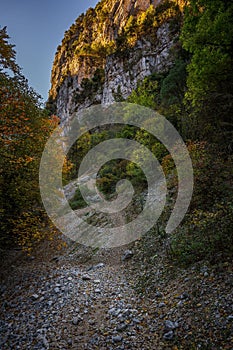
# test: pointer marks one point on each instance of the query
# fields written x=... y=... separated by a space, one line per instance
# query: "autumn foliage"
x=24 y=130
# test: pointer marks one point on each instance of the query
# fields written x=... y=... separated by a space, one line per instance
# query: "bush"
x=206 y=235
x=77 y=202
x=207 y=230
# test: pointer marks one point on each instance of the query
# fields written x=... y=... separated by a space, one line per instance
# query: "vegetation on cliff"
x=102 y=32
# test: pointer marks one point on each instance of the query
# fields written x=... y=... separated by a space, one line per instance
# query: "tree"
x=24 y=129
x=7 y=53
x=207 y=34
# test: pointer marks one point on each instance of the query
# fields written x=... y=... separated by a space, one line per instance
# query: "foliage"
x=206 y=232
x=164 y=93
x=147 y=92
x=7 y=53
x=118 y=95
x=207 y=34
x=207 y=235
x=118 y=169
x=95 y=49
x=77 y=202
x=146 y=24
x=173 y=85
x=195 y=95
x=24 y=128
x=90 y=87
x=77 y=152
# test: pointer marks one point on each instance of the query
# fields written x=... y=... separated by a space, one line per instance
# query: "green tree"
x=7 y=53
x=207 y=34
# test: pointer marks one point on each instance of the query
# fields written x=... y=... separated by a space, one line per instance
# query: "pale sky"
x=36 y=29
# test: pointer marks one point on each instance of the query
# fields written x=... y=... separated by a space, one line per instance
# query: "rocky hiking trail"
x=130 y=297
x=82 y=299
x=65 y=304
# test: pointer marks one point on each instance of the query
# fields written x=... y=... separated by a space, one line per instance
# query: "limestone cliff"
x=109 y=49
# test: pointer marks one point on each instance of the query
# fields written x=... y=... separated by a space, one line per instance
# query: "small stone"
x=31 y=258
x=180 y=303
x=96 y=281
x=45 y=342
x=126 y=312
x=94 y=340
x=136 y=320
x=169 y=335
x=185 y=295
x=76 y=320
x=117 y=339
x=99 y=266
x=128 y=254
x=56 y=290
x=162 y=305
x=91 y=322
x=69 y=341
x=121 y=327
x=86 y=277
x=97 y=290
x=204 y=269
x=170 y=325
x=35 y=296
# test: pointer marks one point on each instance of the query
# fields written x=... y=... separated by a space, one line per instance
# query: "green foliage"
x=95 y=49
x=173 y=85
x=118 y=95
x=80 y=148
x=146 y=24
x=207 y=235
x=171 y=94
x=51 y=106
x=77 y=152
x=118 y=169
x=164 y=93
x=195 y=94
x=146 y=93
x=90 y=87
x=207 y=34
x=7 y=53
x=77 y=202
x=207 y=231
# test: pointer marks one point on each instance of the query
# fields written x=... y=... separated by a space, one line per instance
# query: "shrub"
x=207 y=230
x=206 y=235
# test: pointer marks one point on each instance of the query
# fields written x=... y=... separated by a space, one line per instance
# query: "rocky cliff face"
x=109 y=49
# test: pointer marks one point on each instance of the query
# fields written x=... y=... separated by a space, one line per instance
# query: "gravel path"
x=85 y=300
x=65 y=305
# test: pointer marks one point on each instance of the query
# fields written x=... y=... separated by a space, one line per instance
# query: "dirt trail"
x=84 y=299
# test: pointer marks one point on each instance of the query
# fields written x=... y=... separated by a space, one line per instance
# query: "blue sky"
x=36 y=28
